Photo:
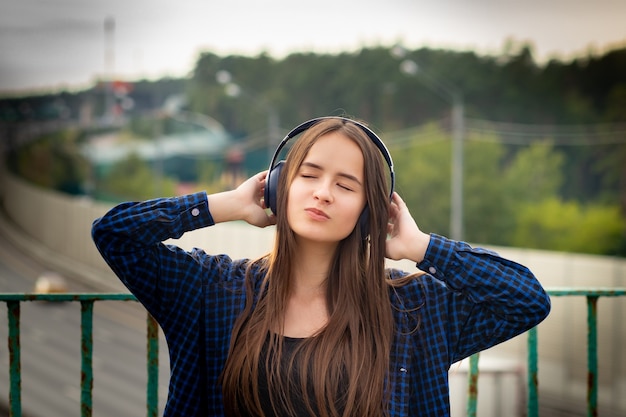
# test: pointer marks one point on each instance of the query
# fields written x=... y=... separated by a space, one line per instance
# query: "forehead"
x=335 y=144
x=335 y=150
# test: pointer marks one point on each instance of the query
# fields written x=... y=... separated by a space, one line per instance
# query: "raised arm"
x=480 y=298
x=130 y=238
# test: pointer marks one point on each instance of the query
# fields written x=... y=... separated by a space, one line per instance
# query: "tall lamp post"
x=453 y=96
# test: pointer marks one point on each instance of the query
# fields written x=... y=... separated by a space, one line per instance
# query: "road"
x=50 y=349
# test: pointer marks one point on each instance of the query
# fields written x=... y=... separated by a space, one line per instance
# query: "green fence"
x=86 y=347
x=87 y=301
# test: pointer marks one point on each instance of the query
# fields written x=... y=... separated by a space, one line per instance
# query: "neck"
x=311 y=267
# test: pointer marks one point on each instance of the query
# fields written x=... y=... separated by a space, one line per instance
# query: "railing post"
x=472 y=401
x=153 y=367
x=533 y=379
x=15 y=393
x=86 y=347
x=592 y=356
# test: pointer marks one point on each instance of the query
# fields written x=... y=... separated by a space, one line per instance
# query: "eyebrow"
x=341 y=174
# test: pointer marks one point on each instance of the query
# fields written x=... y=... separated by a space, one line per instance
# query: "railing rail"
x=87 y=300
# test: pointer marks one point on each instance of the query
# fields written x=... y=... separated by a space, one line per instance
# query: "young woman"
x=318 y=327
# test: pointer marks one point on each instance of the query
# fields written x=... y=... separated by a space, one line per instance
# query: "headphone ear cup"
x=364 y=219
x=271 y=186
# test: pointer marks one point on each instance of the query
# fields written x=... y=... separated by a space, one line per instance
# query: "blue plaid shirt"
x=469 y=300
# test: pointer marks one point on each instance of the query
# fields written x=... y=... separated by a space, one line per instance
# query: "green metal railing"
x=592 y=295
x=87 y=303
x=86 y=344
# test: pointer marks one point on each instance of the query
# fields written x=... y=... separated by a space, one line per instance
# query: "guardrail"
x=87 y=301
x=592 y=296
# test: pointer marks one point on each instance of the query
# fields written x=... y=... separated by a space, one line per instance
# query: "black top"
x=295 y=393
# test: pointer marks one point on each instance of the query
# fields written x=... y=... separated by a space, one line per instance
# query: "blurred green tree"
x=570 y=227
x=134 y=179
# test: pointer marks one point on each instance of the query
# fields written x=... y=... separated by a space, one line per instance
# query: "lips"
x=317 y=214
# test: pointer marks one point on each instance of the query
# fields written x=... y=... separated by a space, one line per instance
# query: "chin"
x=321 y=236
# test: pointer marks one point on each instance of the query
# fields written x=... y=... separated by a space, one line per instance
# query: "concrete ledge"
x=99 y=280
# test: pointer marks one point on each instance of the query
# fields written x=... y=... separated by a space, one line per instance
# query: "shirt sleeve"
x=481 y=298
x=163 y=277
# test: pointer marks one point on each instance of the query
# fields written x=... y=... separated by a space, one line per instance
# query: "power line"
x=413 y=137
x=517 y=134
x=561 y=135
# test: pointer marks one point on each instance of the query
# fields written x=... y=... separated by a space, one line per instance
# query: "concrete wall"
x=58 y=226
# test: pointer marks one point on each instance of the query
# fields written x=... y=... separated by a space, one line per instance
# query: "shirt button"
x=432 y=270
x=195 y=211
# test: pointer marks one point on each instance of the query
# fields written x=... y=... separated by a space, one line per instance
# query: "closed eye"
x=311 y=170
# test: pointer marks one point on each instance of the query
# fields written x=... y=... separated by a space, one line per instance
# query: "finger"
x=394 y=212
x=397 y=199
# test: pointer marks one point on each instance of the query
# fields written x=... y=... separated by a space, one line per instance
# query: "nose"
x=323 y=192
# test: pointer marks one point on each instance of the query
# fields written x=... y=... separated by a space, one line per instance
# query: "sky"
x=62 y=44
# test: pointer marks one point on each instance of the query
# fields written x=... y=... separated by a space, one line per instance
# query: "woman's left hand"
x=405 y=240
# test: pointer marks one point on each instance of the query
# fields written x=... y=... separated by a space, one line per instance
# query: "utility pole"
x=456 y=173
x=109 y=66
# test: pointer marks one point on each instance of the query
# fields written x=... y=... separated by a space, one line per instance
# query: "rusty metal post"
x=152 y=401
x=86 y=348
x=592 y=356
x=533 y=378
x=15 y=393
x=472 y=395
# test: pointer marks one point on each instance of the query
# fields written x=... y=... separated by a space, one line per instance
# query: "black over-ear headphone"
x=275 y=168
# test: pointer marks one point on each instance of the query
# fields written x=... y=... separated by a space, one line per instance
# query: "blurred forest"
x=544 y=144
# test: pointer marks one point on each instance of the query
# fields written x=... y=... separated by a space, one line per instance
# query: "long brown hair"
x=348 y=360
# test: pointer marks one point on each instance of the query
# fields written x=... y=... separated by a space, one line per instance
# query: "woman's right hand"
x=243 y=203
x=252 y=192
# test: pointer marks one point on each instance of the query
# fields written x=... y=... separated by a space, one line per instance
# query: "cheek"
x=353 y=211
x=298 y=192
